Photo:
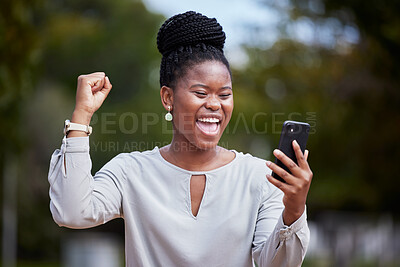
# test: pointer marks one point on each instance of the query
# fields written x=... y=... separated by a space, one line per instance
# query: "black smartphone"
x=291 y=130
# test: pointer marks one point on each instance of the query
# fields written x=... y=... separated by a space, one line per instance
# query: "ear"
x=167 y=96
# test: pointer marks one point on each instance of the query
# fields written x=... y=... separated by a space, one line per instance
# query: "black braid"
x=187 y=39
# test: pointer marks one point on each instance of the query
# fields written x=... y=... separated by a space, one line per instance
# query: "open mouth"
x=209 y=126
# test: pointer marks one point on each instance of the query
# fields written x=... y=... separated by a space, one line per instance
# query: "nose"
x=213 y=103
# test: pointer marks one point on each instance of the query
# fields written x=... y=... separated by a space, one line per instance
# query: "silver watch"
x=71 y=126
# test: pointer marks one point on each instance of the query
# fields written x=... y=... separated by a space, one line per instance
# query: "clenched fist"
x=91 y=92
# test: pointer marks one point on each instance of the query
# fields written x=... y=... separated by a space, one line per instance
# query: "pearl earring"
x=168 y=116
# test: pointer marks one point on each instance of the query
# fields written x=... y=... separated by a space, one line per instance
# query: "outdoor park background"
x=332 y=63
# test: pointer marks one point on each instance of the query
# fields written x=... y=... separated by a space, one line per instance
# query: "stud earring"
x=168 y=116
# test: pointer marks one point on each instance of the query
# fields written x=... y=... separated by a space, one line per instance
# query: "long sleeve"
x=285 y=245
x=77 y=199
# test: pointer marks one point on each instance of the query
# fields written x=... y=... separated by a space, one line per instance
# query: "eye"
x=202 y=94
x=225 y=95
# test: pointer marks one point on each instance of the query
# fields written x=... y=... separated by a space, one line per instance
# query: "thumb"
x=101 y=95
x=106 y=87
x=107 y=83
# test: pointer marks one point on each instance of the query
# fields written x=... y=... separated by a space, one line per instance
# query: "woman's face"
x=202 y=105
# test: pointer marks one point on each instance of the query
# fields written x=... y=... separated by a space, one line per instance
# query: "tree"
x=352 y=86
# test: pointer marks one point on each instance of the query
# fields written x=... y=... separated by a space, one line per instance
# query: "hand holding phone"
x=291 y=130
x=292 y=165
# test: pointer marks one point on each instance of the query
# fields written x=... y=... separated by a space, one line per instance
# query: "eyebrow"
x=205 y=86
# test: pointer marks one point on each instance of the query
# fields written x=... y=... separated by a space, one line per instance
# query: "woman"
x=190 y=203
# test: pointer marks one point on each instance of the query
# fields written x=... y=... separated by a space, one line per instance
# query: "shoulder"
x=252 y=163
x=254 y=169
x=135 y=159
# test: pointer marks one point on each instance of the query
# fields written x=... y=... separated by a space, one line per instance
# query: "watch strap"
x=71 y=126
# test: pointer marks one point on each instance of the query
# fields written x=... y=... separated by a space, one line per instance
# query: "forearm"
x=286 y=246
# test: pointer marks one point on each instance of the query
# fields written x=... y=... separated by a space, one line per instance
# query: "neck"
x=189 y=157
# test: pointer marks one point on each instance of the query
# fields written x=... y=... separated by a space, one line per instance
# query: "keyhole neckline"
x=197 y=172
x=203 y=196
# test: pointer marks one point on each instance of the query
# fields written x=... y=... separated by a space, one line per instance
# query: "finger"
x=277 y=183
x=301 y=161
x=306 y=152
x=94 y=80
x=289 y=179
x=98 y=84
x=99 y=73
x=288 y=162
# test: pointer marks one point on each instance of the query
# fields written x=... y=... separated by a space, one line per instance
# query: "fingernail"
x=268 y=163
x=277 y=152
x=294 y=141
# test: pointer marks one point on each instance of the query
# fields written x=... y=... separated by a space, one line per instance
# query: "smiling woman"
x=192 y=202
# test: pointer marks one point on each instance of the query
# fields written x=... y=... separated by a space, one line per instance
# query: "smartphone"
x=291 y=130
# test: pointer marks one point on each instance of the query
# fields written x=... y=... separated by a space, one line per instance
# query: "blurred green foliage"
x=348 y=92
x=354 y=89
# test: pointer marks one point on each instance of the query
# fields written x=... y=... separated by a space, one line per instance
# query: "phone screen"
x=291 y=130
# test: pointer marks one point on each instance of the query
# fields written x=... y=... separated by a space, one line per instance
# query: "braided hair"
x=185 y=40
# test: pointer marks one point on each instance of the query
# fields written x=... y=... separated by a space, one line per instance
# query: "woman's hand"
x=91 y=92
x=297 y=183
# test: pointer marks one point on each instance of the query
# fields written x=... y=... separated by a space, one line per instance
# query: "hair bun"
x=189 y=29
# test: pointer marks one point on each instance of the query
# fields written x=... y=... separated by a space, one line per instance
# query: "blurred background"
x=331 y=63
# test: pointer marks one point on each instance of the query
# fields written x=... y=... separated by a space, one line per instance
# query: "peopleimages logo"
x=129 y=146
x=143 y=123
x=264 y=123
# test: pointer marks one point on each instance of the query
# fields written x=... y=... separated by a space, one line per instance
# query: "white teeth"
x=209 y=120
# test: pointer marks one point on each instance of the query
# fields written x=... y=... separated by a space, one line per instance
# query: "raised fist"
x=91 y=92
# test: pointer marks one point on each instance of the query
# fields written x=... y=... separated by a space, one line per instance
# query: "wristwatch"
x=71 y=126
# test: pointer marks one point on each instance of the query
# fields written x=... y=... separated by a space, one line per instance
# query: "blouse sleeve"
x=274 y=243
x=77 y=199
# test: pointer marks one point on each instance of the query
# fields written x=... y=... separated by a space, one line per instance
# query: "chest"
x=183 y=197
